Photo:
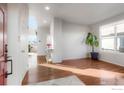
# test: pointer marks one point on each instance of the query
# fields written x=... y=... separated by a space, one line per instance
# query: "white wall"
x=74 y=35
x=69 y=40
x=42 y=34
x=17 y=42
x=56 y=32
x=109 y=56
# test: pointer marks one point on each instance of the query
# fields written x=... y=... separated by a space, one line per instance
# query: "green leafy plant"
x=92 y=41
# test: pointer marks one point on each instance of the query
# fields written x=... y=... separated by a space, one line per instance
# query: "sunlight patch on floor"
x=88 y=72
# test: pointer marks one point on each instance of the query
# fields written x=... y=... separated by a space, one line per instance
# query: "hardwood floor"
x=107 y=73
x=41 y=59
x=88 y=71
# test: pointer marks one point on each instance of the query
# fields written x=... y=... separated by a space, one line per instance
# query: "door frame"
x=4 y=52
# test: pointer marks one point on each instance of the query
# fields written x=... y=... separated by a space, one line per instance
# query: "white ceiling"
x=77 y=13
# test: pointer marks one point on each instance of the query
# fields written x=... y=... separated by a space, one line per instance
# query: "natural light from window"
x=108 y=43
x=112 y=37
x=32 y=23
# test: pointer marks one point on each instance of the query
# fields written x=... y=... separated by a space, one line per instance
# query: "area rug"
x=69 y=80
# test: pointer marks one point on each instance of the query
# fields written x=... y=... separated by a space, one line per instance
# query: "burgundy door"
x=3 y=51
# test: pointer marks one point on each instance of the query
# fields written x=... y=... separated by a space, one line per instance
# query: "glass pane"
x=120 y=29
x=108 y=43
x=120 y=44
x=107 y=31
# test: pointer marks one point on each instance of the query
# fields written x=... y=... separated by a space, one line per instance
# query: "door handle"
x=6 y=50
x=11 y=72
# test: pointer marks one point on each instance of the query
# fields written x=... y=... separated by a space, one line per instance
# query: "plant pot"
x=94 y=55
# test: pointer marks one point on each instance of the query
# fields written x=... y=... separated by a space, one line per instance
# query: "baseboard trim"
x=74 y=59
x=67 y=60
x=111 y=63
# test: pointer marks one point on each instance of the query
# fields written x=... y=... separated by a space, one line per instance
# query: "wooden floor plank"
x=107 y=73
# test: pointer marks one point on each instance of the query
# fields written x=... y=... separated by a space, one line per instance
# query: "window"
x=108 y=31
x=120 y=37
x=112 y=37
x=120 y=44
x=108 y=43
x=107 y=37
x=120 y=29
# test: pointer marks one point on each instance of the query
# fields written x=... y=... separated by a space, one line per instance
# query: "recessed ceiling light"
x=47 y=8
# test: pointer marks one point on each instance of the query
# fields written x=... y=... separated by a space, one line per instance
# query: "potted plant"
x=92 y=41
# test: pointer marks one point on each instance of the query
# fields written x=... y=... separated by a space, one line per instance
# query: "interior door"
x=3 y=48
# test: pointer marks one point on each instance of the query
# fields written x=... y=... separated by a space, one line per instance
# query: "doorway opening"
x=32 y=42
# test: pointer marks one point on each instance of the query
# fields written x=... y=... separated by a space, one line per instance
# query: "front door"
x=3 y=47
